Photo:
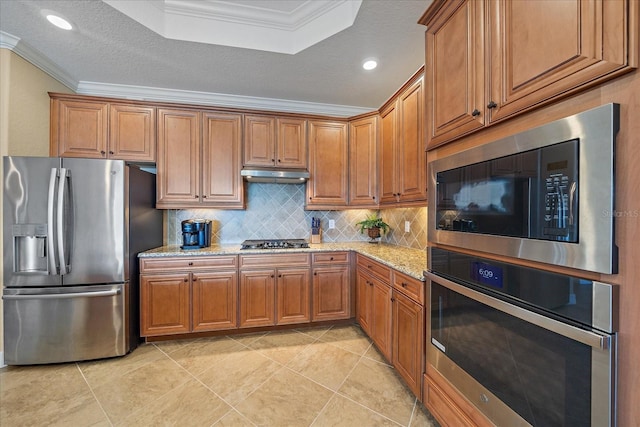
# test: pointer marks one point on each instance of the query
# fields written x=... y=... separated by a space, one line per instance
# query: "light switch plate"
x=407 y=226
x=332 y=224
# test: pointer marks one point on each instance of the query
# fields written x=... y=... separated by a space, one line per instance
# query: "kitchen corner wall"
x=276 y=211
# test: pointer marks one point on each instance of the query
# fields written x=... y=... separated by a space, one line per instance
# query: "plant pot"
x=374 y=233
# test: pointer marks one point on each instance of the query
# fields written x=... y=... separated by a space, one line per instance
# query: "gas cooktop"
x=275 y=244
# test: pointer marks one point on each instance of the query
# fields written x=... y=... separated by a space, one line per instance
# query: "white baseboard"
x=2 y=365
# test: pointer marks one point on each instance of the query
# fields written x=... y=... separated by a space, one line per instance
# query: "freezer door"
x=95 y=241
x=29 y=187
x=64 y=324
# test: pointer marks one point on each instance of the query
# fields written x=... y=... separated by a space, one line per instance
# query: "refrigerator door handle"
x=109 y=293
x=51 y=251
x=60 y=222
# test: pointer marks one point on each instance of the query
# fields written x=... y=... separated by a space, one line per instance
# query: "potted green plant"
x=374 y=226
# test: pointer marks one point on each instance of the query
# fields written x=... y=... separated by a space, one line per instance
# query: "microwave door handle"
x=51 y=251
x=60 y=222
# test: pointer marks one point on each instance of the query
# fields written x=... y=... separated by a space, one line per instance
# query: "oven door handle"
x=589 y=338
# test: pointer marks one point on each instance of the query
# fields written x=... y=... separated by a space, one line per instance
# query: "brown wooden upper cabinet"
x=363 y=162
x=275 y=141
x=403 y=177
x=492 y=59
x=328 y=165
x=199 y=159
x=93 y=128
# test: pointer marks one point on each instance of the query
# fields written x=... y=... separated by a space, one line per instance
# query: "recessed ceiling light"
x=369 y=64
x=57 y=19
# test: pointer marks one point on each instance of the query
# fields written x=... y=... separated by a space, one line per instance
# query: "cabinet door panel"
x=82 y=129
x=381 y=324
x=292 y=143
x=214 y=300
x=222 y=160
x=588 y=40
x=408 y=330
x=293 y=296
x=411 y=150
x=132 y=133
x=364 y=308
x=257 y=298
x=260 y=141
x=178 y=158
x=454 y=68
x=388 y=157
x=363 y=162
x=331 y=293
x=328 y=164
x=165 y=304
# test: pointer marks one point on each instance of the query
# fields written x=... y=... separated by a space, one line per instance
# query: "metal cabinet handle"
x=492 y=104
x=475 y=113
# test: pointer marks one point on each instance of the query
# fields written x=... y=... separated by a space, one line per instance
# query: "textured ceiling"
x=110 y=48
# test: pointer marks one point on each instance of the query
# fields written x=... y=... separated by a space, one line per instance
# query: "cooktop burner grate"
x=275 y=244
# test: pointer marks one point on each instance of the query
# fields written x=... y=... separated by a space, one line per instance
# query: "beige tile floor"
x=331 y=376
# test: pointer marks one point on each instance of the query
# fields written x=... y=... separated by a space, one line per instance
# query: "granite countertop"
x=406 y=260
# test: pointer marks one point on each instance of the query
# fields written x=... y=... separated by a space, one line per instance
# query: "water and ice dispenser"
x=30 y=249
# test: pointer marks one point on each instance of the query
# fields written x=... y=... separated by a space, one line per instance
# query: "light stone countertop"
x=406 y=260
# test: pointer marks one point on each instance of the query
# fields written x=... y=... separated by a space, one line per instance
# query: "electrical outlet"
x=407 y=226
x=332 y=224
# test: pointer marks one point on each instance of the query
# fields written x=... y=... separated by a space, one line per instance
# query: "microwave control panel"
x=559 y=182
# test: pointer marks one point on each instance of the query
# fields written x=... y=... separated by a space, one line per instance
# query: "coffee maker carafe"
x=196 y=233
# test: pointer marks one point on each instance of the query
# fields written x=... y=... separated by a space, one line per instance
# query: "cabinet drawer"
x=411 y=287
x=374 y=267
x=275 y=260
x=330 y=257
x=190 y=263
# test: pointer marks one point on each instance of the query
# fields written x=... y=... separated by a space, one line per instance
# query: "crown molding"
x=145 y=93
x=8 y=41
x=35 y=57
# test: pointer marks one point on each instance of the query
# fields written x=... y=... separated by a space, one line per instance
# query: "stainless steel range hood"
x=280 y=176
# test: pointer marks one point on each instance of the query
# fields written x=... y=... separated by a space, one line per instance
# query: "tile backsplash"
x=276 y=211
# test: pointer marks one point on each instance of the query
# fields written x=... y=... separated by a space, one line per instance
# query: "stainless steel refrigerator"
x=72 y=232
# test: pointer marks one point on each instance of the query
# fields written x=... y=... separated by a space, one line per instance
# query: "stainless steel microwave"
x=546 y=194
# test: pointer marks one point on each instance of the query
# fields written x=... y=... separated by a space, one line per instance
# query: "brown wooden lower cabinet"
x=374 y=310
x=186 y=294
x=257 y=298
x=393 y=317
x=165 y=304
x=274 y=289
x=408 y=341
x=214 y=300
x=293 y=289
x=331 y=286
x=446 y=404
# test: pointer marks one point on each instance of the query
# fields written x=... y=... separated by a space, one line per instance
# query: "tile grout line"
x=363 y=356
x=203 y=384
x=93 y=394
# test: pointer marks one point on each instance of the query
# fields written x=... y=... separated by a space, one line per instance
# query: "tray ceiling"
x=111 y=54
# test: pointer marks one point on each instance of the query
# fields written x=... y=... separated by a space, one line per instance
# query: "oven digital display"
x=486 y=274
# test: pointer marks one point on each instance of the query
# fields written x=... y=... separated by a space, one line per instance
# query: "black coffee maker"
x=196 y=233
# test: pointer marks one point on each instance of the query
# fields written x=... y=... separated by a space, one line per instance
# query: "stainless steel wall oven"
x=526 y=346
x=545 y=195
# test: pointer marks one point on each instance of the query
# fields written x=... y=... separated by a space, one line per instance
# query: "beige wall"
x=24 y=115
